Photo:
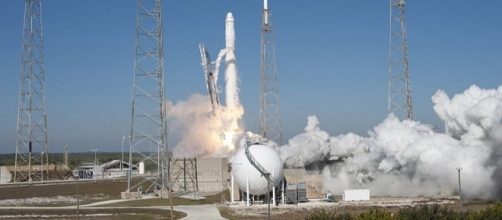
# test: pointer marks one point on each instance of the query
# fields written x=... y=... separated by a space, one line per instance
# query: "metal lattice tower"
x=270 y=119
x=148 y=125
x=183 y=175
x=400 y=99
x=31 y=144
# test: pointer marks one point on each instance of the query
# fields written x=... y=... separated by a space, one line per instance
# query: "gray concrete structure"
x=213 y=175
x=314 y=182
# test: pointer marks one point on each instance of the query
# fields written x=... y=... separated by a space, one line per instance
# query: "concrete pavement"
x=195 y=212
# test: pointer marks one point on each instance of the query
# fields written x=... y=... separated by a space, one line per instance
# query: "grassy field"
x=89 y=191
x=130 y=213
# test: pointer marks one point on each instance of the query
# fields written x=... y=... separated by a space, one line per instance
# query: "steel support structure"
x=148 y=123
x=400 y=98
x=31 y=157
x=183 y=175
x=209 y=78
x=270 y=119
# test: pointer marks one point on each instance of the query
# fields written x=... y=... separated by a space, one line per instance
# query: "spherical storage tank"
x=243 y=170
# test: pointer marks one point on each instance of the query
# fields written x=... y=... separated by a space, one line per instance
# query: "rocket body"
x=231 y=78
x=229 y=31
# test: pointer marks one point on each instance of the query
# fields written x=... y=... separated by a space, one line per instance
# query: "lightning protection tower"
x=148 y=124
x=270 y=119
x=400 y=99
x=31 y=143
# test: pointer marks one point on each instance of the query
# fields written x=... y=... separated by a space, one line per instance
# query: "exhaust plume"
x=196 y=131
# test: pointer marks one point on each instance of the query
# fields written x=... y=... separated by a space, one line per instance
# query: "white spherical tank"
x=243 y=170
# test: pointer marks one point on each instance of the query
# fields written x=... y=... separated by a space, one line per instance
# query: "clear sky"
x=332 y=60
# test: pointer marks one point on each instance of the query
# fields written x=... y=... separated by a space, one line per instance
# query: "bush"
x=322 y=214
x=493 y=212
x=434 y=212
x=376 y=214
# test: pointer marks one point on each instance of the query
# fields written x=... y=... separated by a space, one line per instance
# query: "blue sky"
x=332 y=60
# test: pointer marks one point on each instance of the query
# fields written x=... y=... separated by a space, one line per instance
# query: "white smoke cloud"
x=408 y=158
x=196 y=130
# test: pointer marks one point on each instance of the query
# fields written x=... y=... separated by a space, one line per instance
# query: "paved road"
x=199 y=212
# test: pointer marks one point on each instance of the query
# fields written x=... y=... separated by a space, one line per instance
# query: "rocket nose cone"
x=230 y=17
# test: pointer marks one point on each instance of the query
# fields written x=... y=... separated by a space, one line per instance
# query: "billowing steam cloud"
x=409 y=158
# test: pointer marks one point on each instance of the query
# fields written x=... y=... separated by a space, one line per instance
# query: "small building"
x=111 y=169
x=356 y=195
x=5 y=175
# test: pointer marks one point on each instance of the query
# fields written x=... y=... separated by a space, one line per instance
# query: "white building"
x=111 y=169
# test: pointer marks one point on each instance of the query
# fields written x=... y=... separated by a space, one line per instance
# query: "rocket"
x=265 y=12
x=229 y=32
x=232 y=91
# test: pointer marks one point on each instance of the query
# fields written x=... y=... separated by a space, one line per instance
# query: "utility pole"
x=399 y=97
x=78 y=199
x=31 y=138
x=66 y=149
x=222 y=138
x=122 y=153
x=95 y=150
x=267 y=176
x=148 y=124
x=270 y=118
x=460 y=188
x=129 y=172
